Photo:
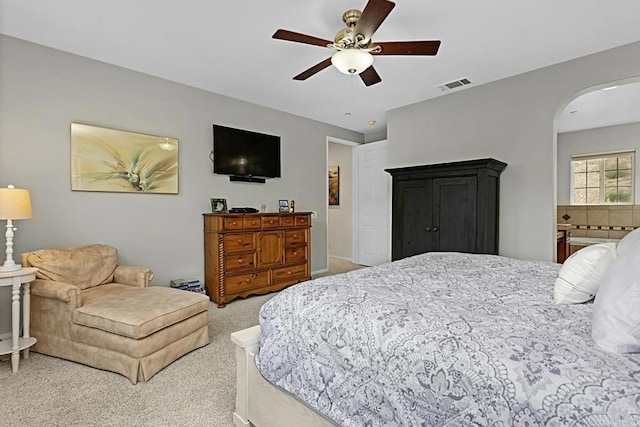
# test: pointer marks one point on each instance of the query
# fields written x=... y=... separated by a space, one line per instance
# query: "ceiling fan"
x=353 y=45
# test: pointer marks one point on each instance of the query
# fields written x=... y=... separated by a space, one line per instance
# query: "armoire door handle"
x=428 y=228
x=435 y=229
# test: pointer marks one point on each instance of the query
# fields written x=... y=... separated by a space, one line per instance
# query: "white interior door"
x=373 y=189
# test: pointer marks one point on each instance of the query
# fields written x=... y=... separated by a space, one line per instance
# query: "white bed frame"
x=258 y=403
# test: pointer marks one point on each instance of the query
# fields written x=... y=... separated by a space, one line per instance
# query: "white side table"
x=16 y=279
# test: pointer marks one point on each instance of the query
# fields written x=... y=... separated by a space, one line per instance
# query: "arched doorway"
x=601 y=122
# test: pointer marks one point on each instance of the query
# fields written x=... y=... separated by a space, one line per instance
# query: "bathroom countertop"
x=585 y=241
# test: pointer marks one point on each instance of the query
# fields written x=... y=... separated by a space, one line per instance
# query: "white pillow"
x=628 y=242
x=581 y=273
x=616 y=310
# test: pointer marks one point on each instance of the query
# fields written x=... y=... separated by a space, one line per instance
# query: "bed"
x=444 y=339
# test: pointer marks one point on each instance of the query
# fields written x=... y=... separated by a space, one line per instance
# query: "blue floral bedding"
x=445 y=339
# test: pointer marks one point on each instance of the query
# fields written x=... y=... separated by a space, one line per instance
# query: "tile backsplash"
x=610 y=222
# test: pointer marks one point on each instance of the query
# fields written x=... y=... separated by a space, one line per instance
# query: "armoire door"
x=454 y=225
x=417 y=218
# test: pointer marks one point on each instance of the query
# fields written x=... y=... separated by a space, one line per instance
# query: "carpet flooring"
x=196 y=390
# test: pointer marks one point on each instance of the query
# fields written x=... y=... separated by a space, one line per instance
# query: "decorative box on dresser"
x=255 y=253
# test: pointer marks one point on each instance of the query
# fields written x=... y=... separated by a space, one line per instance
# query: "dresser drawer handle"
x=234 y=223
x=240 y=261
x=289 y=272
x=295 y=236
x=254 y=222
x=240 y=241
x=270 y=221
x=248 y=280
x=295 y=253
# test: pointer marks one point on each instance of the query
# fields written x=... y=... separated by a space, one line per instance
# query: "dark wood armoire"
x=446 y=207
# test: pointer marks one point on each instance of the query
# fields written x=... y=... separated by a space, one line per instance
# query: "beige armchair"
x=88 y=309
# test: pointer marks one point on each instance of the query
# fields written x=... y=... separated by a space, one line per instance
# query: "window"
x=602 y=179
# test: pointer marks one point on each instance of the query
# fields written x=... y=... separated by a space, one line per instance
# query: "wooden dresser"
x=255 y=253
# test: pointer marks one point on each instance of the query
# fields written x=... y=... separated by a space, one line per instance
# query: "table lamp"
x=15 y=203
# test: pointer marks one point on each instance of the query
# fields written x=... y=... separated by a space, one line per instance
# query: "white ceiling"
x=614 y=105
x=226 y=47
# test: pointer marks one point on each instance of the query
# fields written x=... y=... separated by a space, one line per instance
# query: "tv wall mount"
x=247 y=178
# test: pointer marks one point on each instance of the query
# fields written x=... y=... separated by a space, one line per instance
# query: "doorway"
x=358 y=221
x=340 y=205
x=595 y=122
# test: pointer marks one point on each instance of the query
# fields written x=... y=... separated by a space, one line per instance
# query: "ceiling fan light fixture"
x=352 y=61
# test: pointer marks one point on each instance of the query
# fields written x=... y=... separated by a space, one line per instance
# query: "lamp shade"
x=352 y=61
x=15 y=203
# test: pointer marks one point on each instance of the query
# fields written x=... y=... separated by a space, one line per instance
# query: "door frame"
x=354 y=189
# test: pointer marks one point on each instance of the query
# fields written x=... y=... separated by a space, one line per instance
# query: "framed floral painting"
x=105 y=159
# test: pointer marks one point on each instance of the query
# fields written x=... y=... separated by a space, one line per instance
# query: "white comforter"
x=445 y=339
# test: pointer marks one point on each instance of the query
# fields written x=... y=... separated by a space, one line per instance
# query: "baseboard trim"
x=341 y=258
x=315 y=273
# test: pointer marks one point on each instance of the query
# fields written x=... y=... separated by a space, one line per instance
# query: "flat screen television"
x=244 y=154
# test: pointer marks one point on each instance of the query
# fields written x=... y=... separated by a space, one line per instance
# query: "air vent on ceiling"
x=445 y=87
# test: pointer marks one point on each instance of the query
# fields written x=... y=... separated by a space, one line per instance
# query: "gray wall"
x=341 y=216
x=43 y=90
x=512 y=120
x=376 y=136
x=611 y=138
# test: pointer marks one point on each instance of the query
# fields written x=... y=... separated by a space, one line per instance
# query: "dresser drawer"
x=251 y=223
x=237 y=262
x=238 y=242
x=302 y=220
x=292 y=274
x=295 y=237
x=232 y=223
x=272 y=221
x=245 y=282
x=287 y=221
x=295 y=254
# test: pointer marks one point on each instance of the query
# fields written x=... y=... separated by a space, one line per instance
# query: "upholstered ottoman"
x=114 y=322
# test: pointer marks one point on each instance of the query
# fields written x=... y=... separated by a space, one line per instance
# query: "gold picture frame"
x=334 y=186
x=111 y=160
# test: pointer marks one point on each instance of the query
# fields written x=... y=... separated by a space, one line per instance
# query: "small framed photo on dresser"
x=219 y=205
x=283 y=206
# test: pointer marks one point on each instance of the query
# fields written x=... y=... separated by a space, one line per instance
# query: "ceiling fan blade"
x=311 y=71
x=408 y=48
x=374 y=13
x=370 y=76
x=299 y=38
